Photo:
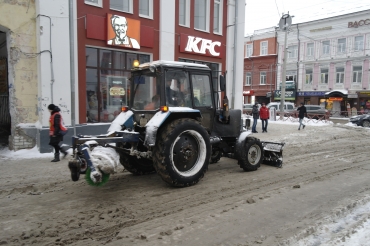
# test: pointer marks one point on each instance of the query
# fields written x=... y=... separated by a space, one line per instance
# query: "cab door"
x=202 y=97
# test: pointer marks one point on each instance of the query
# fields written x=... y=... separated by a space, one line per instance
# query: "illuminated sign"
x=289 y=95
x=247 y=93
x=123 y=32
x=207 y=47
x=359 y=23
x=335 y=99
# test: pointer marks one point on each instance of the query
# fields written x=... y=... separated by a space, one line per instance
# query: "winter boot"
x=64 y=151
x=56 y=158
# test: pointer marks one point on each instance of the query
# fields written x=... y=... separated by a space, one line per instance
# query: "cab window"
x=201 y=90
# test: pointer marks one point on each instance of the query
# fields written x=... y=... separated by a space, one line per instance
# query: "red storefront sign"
x=248 y=93
x=197 y=45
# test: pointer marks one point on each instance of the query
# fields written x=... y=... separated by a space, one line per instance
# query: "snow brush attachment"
x=100 y=178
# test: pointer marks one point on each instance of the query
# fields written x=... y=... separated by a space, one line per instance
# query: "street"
x=325 y=177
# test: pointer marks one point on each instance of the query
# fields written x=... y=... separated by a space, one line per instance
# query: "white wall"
x=167 y=26
x=55 y=40
x=235 y=67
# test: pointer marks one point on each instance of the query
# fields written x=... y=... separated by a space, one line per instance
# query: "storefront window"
x=107 y=82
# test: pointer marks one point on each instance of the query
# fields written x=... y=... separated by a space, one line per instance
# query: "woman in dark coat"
x=56 y=132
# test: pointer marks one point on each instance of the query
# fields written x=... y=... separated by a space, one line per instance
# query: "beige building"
x=18 y=69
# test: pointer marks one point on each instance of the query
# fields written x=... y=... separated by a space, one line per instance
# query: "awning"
x=337 y=93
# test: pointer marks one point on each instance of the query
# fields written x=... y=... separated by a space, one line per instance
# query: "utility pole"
x=72 y=66
x=284 y=24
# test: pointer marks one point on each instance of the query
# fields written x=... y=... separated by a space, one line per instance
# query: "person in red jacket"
x=56 y=132
x=264 y=116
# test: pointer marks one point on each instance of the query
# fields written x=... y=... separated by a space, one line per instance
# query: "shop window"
x=122 y=5
x=201 y=15
x=146 y=8
x=339 y=73
x=98 y=3
x=357 y=74
x=107 y=82
x=184 y=13
x=217 y=17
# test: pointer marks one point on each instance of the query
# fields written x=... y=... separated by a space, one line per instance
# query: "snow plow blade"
x=273 y=153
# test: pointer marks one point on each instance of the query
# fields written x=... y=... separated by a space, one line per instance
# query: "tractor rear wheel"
x=182 y=152
x=251 y=158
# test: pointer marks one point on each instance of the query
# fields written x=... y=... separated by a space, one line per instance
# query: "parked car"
x=247 y=108
x=361 y=120
x=288 y=107
x=316 y=111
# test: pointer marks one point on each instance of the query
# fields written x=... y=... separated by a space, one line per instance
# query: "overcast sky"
x=260 y=14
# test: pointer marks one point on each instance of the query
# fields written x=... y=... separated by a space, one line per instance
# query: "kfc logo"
x=200 y=46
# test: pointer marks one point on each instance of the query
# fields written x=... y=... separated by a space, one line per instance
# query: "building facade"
x=260 y=66
x=329 y=61
x=107 y=37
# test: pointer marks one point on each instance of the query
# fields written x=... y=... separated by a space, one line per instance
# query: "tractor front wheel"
x=182 y=152
x=251 y=158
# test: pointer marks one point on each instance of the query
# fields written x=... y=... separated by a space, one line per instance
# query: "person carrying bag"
x=56 y=132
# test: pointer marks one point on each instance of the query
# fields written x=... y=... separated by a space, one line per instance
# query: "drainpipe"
x=72 y=65
x=51 y=60
x=234 y=60
x=299 y=48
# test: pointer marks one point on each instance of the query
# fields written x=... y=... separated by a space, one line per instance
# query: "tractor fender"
x=124 y=118
x=160 y=118
x=240 y=143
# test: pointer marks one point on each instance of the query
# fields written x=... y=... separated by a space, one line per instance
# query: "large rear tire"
x=251 y=158
x=182 y=152
x=136 y=166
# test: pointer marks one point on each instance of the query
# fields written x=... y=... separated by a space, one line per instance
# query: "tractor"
x=175 y=125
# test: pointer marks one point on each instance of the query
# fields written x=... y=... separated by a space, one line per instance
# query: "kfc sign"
x=191 y=44
x=359 y=23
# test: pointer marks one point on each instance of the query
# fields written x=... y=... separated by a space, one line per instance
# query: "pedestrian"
x=348 y=110
x=302 y=112
x=56 y=132
x=264 y=115
x=255 y=114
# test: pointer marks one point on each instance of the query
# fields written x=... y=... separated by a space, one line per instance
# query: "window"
x=121 y=5
x=339 y=75
x=201 y=15
x=262 y=78
x=310 y=49
x=146 y=8
x=97 y=3
x=217 y=17
x=357 y=74
x=324 y=76
x=108 y=70
x=326 y=48
x=263 y=48
x=249 y=50
x=248 y=78
x=184 y=13
x=341 y=45
x=293 y=51
x=308 y=76
x=359 y=43
x=201 y=90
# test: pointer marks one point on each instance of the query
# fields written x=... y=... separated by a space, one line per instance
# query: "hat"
x=51 y=107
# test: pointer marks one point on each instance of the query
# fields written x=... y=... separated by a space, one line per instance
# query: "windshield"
x=146 y=91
